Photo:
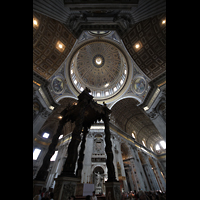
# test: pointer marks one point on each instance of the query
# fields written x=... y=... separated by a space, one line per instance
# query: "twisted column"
x=108 y=148
x=81 y=153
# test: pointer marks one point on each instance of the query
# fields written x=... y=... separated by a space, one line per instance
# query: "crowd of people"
x=143 y=195
x=132 y=195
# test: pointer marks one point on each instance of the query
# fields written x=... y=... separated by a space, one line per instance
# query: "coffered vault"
x=138 y=37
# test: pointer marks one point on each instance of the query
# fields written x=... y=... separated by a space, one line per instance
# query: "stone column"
x=112 y=185
x=160 y=177
x=150 y=174
x=130 y=179
x=108 y=148
x=158 y=114
x=139 y=169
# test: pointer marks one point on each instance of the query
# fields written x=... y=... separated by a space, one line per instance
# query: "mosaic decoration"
x=139 y=85
x=57 y=84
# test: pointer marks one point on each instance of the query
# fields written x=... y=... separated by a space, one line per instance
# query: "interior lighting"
x=60 y=117
x=137 y=46
x=60 y=46
x=35 y=23
x=163 y=21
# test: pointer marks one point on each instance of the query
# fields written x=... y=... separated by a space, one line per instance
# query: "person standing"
x=93 y=197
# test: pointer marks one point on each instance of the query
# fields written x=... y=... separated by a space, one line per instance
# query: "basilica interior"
x=99 y=96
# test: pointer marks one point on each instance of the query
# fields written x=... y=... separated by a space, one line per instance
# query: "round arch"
x=124 y=97
x=65 y=96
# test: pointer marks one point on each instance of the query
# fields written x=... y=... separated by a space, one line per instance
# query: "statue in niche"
x=98 y=182
x=99 y=179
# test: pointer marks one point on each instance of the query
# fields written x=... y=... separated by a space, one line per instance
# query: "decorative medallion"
x=57 y=85
x=139 y=85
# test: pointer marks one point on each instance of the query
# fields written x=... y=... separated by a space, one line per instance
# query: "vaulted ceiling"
x=131 y=118
x=143 y=25
x=46 y=56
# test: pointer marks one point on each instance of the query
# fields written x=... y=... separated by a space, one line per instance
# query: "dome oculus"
x=98 y=61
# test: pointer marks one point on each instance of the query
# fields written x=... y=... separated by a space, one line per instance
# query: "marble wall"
x=134 y=171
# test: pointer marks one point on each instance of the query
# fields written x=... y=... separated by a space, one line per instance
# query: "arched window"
x=143 y=142
x=45 y=135
x=163 y=144
x=160 y=146
x=134 y=134
x=157 y=147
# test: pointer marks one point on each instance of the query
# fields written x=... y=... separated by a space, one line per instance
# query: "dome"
x=100 y=66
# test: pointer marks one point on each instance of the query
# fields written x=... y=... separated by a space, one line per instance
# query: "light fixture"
x=35 y=23
x=60 y=117
x=60 y=46
x=163 y=21
x=137 y=46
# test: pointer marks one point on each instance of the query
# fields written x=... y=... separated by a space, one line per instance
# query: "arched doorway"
x=98 y=180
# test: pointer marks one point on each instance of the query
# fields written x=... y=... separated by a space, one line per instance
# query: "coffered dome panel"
x=100 y=66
